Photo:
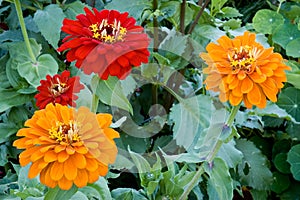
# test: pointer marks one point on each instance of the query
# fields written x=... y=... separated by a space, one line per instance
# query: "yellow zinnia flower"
x=67 y=146
x=243 y=70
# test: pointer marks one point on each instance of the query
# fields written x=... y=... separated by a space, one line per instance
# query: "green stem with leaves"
x=24 y=31
x=210 y=157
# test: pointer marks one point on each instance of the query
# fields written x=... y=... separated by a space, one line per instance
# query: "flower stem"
x=198 y=17
x=155 y=27
x=182 y=16
x=95 y=103
x=23 y=28
x=210 y=157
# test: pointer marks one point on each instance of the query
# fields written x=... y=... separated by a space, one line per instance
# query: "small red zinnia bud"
x=58 y=89
x=105 y=42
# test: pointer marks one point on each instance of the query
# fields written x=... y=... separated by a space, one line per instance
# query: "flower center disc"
x=241 y=59
x=58 y=88
x=67 y=133
x=108 y=33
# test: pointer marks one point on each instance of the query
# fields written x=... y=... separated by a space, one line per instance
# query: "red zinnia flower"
x=58 y=89
x=105 y=42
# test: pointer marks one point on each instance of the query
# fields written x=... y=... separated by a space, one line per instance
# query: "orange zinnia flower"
x=243 y=70
x=67 y=146
x=105 y=42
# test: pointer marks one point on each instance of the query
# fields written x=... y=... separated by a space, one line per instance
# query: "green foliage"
x=48 y=25
x=174 y=138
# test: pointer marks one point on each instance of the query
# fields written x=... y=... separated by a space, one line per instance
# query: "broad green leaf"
x=266 y=21
x=229 y=12
x=19 y=52
x=134 y=7
x=293 y=78
x=11 y=35
x=49 y=22
x=230 y=154
x=216 y=6
x=257 y=175
x=285 y=33
x=127 y=194
x=219 y=180
x=292 y=48
x=73 y=9
x=273 y=110
x=140 y=162
x=84 y=98
x=110 y=92
x=208 y=31
x=34 y=72
x=56 y=193
x=190 y=117
x=294 y=159
x=98 y=190
x=122 y=162
x=289 y=100
x=280 y=162
x=292 y=192
x=78 y=196
x=10 y=98
x=281 y=182
x=175 y=43
x=7 y=129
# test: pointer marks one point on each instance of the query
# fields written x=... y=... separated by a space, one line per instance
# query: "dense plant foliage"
x=182 y=128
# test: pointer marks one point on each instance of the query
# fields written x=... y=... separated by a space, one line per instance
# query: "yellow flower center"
x=241 y=59
x=108 y=33
x=65 y=132
x=58 y=88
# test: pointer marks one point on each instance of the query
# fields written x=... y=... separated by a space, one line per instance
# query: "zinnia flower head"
x=67 y=146
x=58 y=89
x=105 y=42
x=243 y=70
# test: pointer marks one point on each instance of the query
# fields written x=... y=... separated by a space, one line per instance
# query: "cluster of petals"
x=105 y=42
x=60 y=88
x=67 y=146
x=241 y=69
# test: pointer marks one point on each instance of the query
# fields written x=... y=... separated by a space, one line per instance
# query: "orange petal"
x=56 y=171
x=46 y=179
x=246 y=102
x=70 y=171
x=93 y=176
x=111 y=133
x=247 y=85
x=64 y=183
x=234 y=100
x=50 y=156
x=241 y=75
x=270 y=90
x=34 y=170
x=223 y=96
x=257 y=78
x=81 y=179
x=62 y=156
x=91 y=164
x=79 y=160
x=254 y=96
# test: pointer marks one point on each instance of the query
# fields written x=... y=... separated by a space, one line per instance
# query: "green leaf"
x=230 y=154
x=110 y=92
x=216 y=6
x=208 y=31
x=292 y=192
x=34 y=72
x=285 y=33
x=73 y=9
x=19 y=52
x=280 y=162
x=273 y=110
x=49 y=21
x=266 y=21
x=229 y=12
x=294 y=159
x=140 y=162
x=175 y=43
x=7 y=129
x=293 y=78
x=78 y=196
x=258 y=175
x=10 y=98
x=57 y=193
x=190 y=117
x=289 y=99
x=292 y=48
x=281 y=182
x=98 y=190
x=219 y=180
x=134 y=7
x=127 y=194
